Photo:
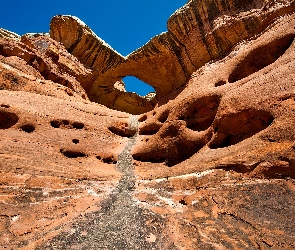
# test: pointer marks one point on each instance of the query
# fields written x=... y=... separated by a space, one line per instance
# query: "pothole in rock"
x=28 y=128
x=164 y=116
x=153 y=127
x=183 y=202
x=5 y=106
x=175 y=146
x=72 y=153
x=220 y=83
x=78 y=125
x=55 y=124
x=7 y=119
x=66 y=124
x=108 y=160
x=234 y=128
x=142 y=118
x=123 y=132
x=200 y=113
x=261 y=57
x=75 y=141
x=150 y=129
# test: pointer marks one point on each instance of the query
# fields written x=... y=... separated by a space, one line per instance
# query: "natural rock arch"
x=167 y=61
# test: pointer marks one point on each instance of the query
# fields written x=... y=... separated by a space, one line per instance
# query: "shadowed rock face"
x=210 y=164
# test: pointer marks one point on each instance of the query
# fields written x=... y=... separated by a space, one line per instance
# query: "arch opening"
x=133 y=84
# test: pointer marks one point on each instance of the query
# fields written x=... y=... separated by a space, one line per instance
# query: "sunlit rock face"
x=208 y=164
x=101 y=59
x=199 y=32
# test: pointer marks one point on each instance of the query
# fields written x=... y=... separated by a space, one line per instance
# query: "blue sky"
x=125 y=25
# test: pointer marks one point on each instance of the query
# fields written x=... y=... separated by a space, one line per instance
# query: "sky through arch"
x=132 y=84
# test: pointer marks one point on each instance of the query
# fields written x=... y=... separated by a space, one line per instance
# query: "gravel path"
x=121 y=223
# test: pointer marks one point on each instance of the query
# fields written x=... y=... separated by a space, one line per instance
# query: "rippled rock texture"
x=210 y=164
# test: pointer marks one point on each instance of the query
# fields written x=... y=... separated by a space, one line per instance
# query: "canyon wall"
x=207 y=163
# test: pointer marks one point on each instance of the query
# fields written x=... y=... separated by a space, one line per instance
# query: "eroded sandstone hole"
x=75 y=141
x=5 y=106
x=261 y=57
x=66 y=124
x=234 y=128
x=150 y=129
x=108 y=160
x=7 y=119
x=28 y=128
x=72 y=153
x=200 y=114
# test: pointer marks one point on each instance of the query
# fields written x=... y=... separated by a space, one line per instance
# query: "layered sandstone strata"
x=38 y=64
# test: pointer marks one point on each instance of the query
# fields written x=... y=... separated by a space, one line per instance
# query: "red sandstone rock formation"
x=199 y=32
x=214 y=159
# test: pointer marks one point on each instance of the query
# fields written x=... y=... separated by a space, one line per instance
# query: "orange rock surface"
x=208 y=164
